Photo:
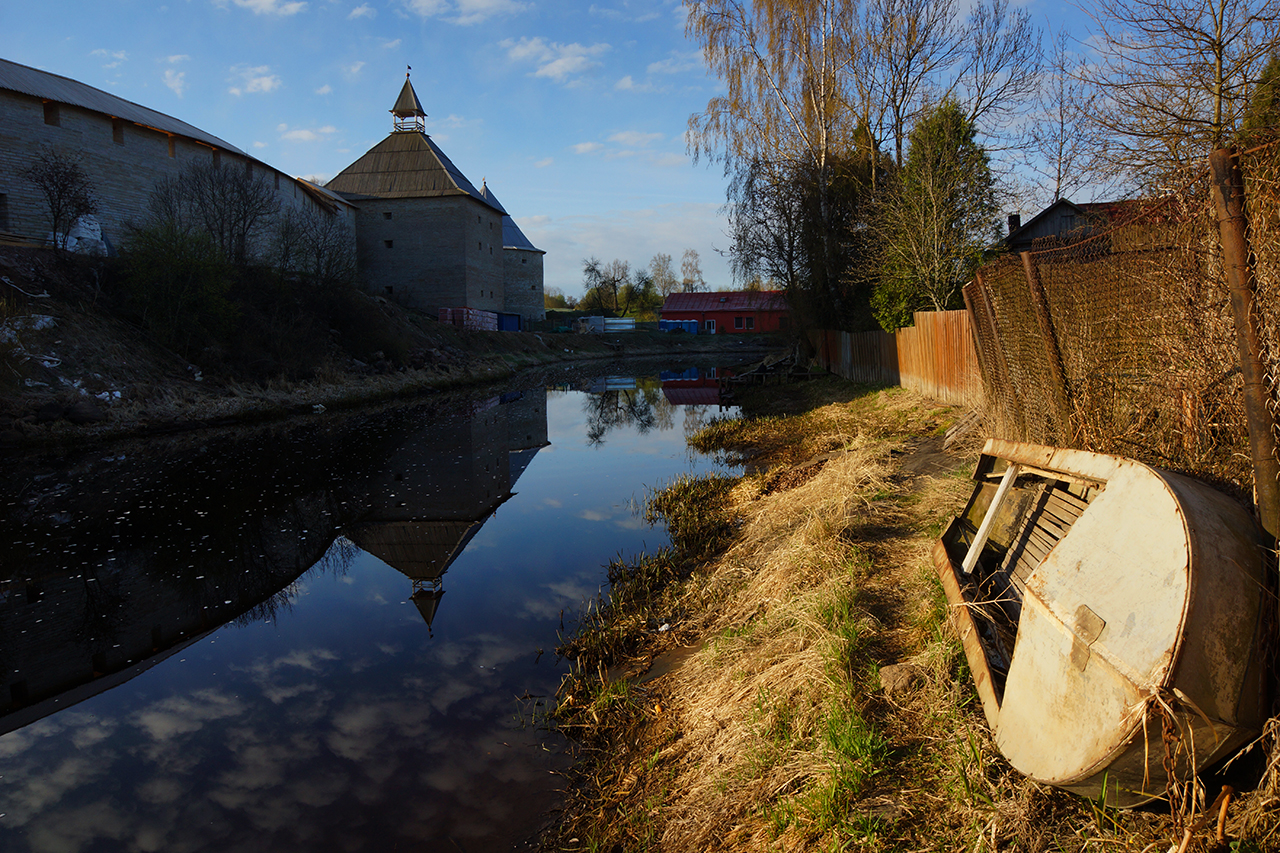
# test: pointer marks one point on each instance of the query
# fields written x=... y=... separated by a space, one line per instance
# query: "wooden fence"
x=935 y=357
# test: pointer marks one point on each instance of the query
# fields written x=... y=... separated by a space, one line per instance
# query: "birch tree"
x=785 y=65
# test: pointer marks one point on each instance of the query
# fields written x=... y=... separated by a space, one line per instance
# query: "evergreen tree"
x=1262 y=118
x=939 y=220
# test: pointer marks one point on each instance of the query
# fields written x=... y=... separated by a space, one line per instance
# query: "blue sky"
x=573 y=112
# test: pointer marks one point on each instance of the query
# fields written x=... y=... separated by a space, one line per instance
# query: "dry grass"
x=774 y=733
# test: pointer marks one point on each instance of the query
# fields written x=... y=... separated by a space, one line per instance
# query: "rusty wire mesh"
x=1131 y=348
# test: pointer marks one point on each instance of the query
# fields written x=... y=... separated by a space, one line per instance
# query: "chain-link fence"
x=1122 y=341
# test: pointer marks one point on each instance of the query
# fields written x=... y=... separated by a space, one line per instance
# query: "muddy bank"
x=787 y=677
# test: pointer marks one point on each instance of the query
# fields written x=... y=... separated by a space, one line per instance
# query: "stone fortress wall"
x=122 y=160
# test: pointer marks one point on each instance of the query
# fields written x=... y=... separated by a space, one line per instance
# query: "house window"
x=217 y=158
x=276 y=180
x=751 y=324
x=524 y=260
x=248 y=169
x=479 y=246
x=4 y=212
x=737 y=322
x=388 y=243
x=117 y=131
x=783 y=323
x=51 y=114
x=173 y=147
x=386 y=214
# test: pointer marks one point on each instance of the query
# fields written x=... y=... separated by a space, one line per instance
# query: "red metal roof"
x=727 y=300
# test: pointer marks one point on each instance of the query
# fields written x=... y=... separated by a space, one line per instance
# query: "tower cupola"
x=408 y=113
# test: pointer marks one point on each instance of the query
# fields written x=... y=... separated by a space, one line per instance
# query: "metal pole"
x=1237 y=262
x=1052 y=353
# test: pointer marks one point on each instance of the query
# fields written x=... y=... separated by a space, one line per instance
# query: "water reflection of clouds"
x=565 y=595
x=180 y=715
x=279 y=772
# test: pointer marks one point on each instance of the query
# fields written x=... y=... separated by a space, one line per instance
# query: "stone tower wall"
x=430 y=253
x=523 y=270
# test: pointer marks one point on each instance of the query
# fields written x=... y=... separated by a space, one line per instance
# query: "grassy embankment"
x=735 y=691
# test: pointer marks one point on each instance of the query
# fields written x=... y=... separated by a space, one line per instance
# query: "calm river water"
x=328 y=636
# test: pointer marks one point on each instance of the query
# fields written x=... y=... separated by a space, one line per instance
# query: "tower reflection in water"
x=441 y=486
x=119 y=561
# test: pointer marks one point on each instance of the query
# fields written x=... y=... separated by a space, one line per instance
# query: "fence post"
x=1052 y=353
x=1237 y=262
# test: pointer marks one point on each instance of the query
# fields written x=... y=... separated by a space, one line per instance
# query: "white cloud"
x=324 y=90
x=176 y=80
x=677 y=63
x=118 y=57
x=304 y=135
x=176 y=58
x=543 y=163
x=259 y=144
x=560 y=62
x=256 y=78
x=391 y=45
x=364 y=10
x=466 y=12
x=271 y=7
x=587 y=147
x=354 y=68
x=620 y=15
x=635 y=138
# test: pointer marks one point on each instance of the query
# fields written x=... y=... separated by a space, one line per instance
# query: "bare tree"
x=227 y=202
x=68 y=192
x=317 y=245
x=664 y=277
x=1174 y=78
x=691 y=272
x=1060 y=139
x=604 y=281
x=766 y=213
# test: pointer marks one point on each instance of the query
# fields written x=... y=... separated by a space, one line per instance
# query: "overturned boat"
x=1111 y=616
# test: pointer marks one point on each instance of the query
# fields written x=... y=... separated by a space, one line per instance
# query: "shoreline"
x=787 y=677
x=187 y=405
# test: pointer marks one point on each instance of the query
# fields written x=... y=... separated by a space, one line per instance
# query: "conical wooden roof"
x=422 y=550
x=408 y=104
x=407 y=164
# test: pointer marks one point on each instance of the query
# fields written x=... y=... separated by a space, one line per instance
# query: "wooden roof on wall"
x=64 y=90
x=407 y=164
